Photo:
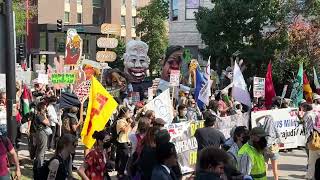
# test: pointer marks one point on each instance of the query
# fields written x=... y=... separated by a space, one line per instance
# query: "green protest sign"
x=67 y=78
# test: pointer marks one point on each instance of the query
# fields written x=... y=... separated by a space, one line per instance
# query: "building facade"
x=84 y=15
x=182 y=24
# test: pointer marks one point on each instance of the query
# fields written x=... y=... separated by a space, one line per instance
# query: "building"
x=45 y=42
x=182 y=24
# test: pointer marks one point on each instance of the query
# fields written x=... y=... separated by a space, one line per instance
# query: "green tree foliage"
x=119 y=50
x=153 y=31
x=238 y=26
x=19 y=8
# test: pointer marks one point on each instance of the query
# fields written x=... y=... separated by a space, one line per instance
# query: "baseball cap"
x=258 y=131
x=159 y=121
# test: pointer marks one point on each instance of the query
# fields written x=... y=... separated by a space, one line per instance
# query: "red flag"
x=269 y=89
x=307 y=89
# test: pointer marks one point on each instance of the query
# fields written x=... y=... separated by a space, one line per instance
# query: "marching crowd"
x=136 y=144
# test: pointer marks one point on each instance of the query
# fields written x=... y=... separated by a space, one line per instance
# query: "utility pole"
x=10 y=71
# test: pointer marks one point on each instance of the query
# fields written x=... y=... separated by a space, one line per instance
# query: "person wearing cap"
x=251 y=159
x=159 y=122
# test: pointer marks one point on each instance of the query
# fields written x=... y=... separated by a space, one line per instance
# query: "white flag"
x=315 y=79
x=162 y=106
x=205 y=92
x=239 y=90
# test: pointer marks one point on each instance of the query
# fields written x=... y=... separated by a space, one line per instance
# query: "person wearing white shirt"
x=53 y=119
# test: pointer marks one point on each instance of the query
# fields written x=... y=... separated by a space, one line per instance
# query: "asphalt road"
x=292 y=165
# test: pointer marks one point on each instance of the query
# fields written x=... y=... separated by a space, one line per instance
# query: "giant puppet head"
x=136 y=61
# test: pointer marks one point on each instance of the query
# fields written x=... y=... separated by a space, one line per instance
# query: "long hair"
x=65 y=140
x=149 y=139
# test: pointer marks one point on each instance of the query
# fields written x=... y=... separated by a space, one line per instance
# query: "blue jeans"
x=6 y=177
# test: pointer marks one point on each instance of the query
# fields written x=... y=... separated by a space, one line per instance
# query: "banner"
x=258 y=87
x=286 y=120
x=162 y=106
x=182 y=135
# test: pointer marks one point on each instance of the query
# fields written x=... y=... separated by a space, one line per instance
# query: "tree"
x=153 y=30
x=239 y=27
x=19 y=8
x=119 y=50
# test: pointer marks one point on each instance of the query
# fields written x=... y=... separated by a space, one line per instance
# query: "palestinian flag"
x=26 y=99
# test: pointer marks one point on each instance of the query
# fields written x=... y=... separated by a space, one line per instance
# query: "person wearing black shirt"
x=209 y=136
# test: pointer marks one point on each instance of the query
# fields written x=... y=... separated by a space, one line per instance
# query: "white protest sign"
x=291 y=133
x=162 y=106
x=150 y=94
x=258 y=87
x=3 y=82
x=174 y=78
x=43 y=78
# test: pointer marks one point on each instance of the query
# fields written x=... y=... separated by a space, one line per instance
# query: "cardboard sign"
x=258 y=87
x=107 y=42
x=174 y=78
x=43 y=78
x=106 y=56
x=82 y=90
x=111 y=29
x=73 y=47
x=67 y=78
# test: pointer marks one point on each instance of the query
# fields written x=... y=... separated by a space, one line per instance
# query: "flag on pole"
x=100 y=108
x=269 y=89
x=239 y=90
x=205 y=91
x=200 y=82
x=316 y=81
x=297 y=89
x=26 y=99
x=307 y=89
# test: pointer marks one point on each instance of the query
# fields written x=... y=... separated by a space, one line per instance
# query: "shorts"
x=269 y=155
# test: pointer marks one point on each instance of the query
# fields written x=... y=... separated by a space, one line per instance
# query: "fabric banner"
x=182 y=135
x=286 y=120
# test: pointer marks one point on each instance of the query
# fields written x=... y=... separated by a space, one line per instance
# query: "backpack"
x=43 y=171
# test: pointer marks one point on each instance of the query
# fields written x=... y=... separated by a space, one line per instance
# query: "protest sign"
x=162 y=106
x=286 y=120
x=43 y=78
x=65 y=78
x=174 y=78
x=106 y=56
x=182 y=135
x=258 y=87
x=150 y=94
x=103 y=42
x=24 y=76
x=74 y=45
x=135 y=97
x=82 y=90
x=110 y=29
x=3 y=82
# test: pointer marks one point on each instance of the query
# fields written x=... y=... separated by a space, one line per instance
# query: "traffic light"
x=59 y=25
x=21 y=51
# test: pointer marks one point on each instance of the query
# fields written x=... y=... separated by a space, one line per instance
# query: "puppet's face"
x=136 y=61
x=172 y=63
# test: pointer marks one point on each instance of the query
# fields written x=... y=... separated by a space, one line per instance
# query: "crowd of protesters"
x=136 y=144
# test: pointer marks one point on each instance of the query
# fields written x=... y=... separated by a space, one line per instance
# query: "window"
x=97 y=3
x=79 y=2
x=134 y=3
x=79 y=18
x=192 y=6
x=134 y=21
x=174 y=10
x=66 y=17
x=67 y=1
x=123 y=2
x=123 y=21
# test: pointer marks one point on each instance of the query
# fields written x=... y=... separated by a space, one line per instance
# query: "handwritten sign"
x=43 y=78
x=106 y=56
x=82 y=91
x=110 y=29
x=107 y=42
x=174 y=77
x=258 y=87
x=67 y=78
